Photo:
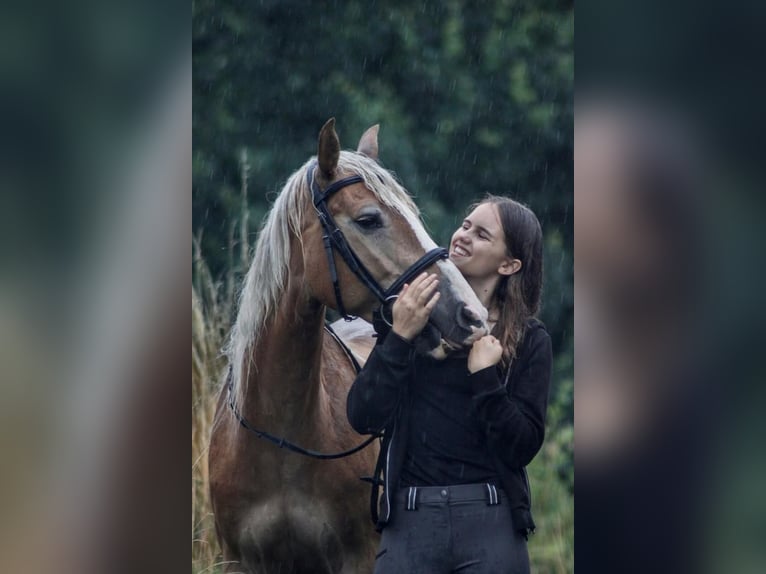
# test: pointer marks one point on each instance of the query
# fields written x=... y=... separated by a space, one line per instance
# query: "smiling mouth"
x=459 y=251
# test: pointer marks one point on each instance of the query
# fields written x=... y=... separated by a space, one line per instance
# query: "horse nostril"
x=468 y=318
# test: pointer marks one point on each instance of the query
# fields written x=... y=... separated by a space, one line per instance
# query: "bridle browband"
x=334 y=240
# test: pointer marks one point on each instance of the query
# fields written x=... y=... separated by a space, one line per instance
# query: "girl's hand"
x=413 y=307
x=485 y=352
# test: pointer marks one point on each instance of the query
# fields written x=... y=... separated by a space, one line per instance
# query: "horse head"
x=365 y=239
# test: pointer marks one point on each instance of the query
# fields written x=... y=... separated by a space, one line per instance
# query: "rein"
x=281 y=442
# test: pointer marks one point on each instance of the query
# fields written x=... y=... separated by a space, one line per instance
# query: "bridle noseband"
x=334 y=240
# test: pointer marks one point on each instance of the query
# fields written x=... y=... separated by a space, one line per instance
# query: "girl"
x=459 y=432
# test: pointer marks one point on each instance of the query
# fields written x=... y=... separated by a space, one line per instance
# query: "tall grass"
x=211 y=308
x=551 y=548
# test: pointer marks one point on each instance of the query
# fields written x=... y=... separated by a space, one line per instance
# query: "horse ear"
x=368 y=143
x=329 y=148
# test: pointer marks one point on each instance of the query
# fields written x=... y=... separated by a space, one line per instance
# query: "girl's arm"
x=376 y=390
x=515 y=421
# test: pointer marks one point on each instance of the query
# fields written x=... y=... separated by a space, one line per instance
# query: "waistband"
x=487 y=492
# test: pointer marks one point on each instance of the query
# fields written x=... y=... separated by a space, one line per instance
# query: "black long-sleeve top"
x=509 y=407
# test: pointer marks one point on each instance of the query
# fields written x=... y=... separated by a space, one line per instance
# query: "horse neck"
x=284 y=380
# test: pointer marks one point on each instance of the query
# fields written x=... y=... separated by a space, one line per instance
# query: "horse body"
x=277 y=511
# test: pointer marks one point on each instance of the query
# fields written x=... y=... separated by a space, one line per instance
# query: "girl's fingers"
x=427 y=287
x=419 y=286
x=428 y=291
x=413 y=289
x=424 y=279
x=421 y=294
x=419 y=279
x=432 y=302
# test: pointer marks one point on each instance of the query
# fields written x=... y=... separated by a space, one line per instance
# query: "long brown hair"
x=517 y=296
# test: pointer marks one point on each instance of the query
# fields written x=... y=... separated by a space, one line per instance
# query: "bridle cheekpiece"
x=334 y=240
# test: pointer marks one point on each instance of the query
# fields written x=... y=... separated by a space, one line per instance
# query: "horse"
x=275 y=510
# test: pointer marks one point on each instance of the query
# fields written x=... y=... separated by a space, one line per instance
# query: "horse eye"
x=370 y=222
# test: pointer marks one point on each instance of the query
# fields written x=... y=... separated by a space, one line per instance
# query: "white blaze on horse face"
x=463 y=289
x=449 y=271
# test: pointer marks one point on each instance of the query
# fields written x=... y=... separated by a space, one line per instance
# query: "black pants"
x=465 y=529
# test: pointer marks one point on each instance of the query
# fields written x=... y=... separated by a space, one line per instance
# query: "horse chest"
x=295 y=533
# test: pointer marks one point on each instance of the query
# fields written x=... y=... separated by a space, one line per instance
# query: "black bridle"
x=334 y=240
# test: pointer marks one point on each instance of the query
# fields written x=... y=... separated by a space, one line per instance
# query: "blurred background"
x=95 y=212
x=471 y=97
x=669 y=139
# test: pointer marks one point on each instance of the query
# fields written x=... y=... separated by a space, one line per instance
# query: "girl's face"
x=478 y=246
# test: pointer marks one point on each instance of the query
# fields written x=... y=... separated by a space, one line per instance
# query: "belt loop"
x=492 y=495
x=412 y=498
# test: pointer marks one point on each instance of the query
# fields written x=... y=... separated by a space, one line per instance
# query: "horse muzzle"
x=453 y=326
x=464 y=329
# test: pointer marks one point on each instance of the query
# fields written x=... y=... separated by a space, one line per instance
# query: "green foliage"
x=471 y=97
